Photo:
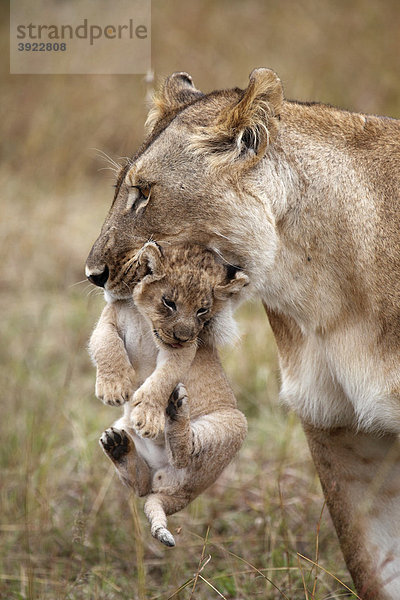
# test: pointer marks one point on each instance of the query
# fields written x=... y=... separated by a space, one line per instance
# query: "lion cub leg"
x=216 y=437
x=156 y=509
x=116 y=379
x=178 y=432
x=150 y=400
x=131 y=468
x=166 y=499
x=198 y=452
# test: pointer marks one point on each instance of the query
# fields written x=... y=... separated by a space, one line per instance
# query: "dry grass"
x=68 y=529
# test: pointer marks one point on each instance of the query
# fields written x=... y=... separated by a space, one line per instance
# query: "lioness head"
x=182 y=287
x=196 y=177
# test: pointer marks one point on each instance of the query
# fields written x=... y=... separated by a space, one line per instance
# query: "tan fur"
x=166 y=446
x=312 y=214
x=177 y=89
x=254 y=118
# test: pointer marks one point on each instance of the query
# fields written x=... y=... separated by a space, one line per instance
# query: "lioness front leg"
x=151 y=399
x=131 y=468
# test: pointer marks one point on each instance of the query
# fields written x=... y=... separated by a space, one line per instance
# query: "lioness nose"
x=98 y=277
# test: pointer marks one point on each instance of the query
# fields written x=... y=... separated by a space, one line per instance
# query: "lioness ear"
x=245 y=129
x=177 y=91
x=150 y=263
x=237 y=280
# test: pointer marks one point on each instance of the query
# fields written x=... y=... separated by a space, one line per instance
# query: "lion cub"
x=170 y=444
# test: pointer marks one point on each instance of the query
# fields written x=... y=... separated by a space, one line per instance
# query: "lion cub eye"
x=169 y=303
x=202 y=311
x=138 y=197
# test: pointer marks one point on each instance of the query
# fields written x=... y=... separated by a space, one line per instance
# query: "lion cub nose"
x=181 y=336
x=98 y=277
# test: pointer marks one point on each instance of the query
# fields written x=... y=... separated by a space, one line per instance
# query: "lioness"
x=167 y=335
x=305 y=198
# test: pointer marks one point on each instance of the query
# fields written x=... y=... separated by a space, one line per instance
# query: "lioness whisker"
x=113 y=169
x=78 y=283
x=108 y=158
x=93 y=291
x=218 y=252
x=129 y=265
x=125 y=284
x=162 y=242
x=220 y=234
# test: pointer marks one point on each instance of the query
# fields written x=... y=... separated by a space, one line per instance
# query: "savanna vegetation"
x=69 y=530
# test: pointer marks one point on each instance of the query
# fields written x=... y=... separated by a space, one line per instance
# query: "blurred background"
x=68 y=528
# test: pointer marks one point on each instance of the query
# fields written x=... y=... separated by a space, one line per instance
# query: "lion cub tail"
x=156 y=508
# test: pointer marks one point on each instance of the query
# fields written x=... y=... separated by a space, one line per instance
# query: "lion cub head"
x=182 y=289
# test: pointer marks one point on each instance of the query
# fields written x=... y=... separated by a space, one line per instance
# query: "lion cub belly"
x=340 y=382
x=154 y=453
x=142 y=352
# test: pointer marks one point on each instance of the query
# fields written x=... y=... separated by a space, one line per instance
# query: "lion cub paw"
x=178 y=404
x=148 y=420
x=115 y=443
x=115 y=392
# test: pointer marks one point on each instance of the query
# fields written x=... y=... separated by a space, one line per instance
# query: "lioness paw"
x=148 y=420
x=115 y=392
x=115 y=443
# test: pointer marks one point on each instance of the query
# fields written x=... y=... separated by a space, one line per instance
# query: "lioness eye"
x=138 y=196
x=144 y=191
x=202 y=311
x=169 y=303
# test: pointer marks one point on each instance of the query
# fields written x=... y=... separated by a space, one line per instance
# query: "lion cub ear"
x=177 y=91
x=150 y=263
x=245 y=129
x=236 y=281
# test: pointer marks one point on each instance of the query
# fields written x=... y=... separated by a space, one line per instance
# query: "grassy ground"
x=69 y=531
